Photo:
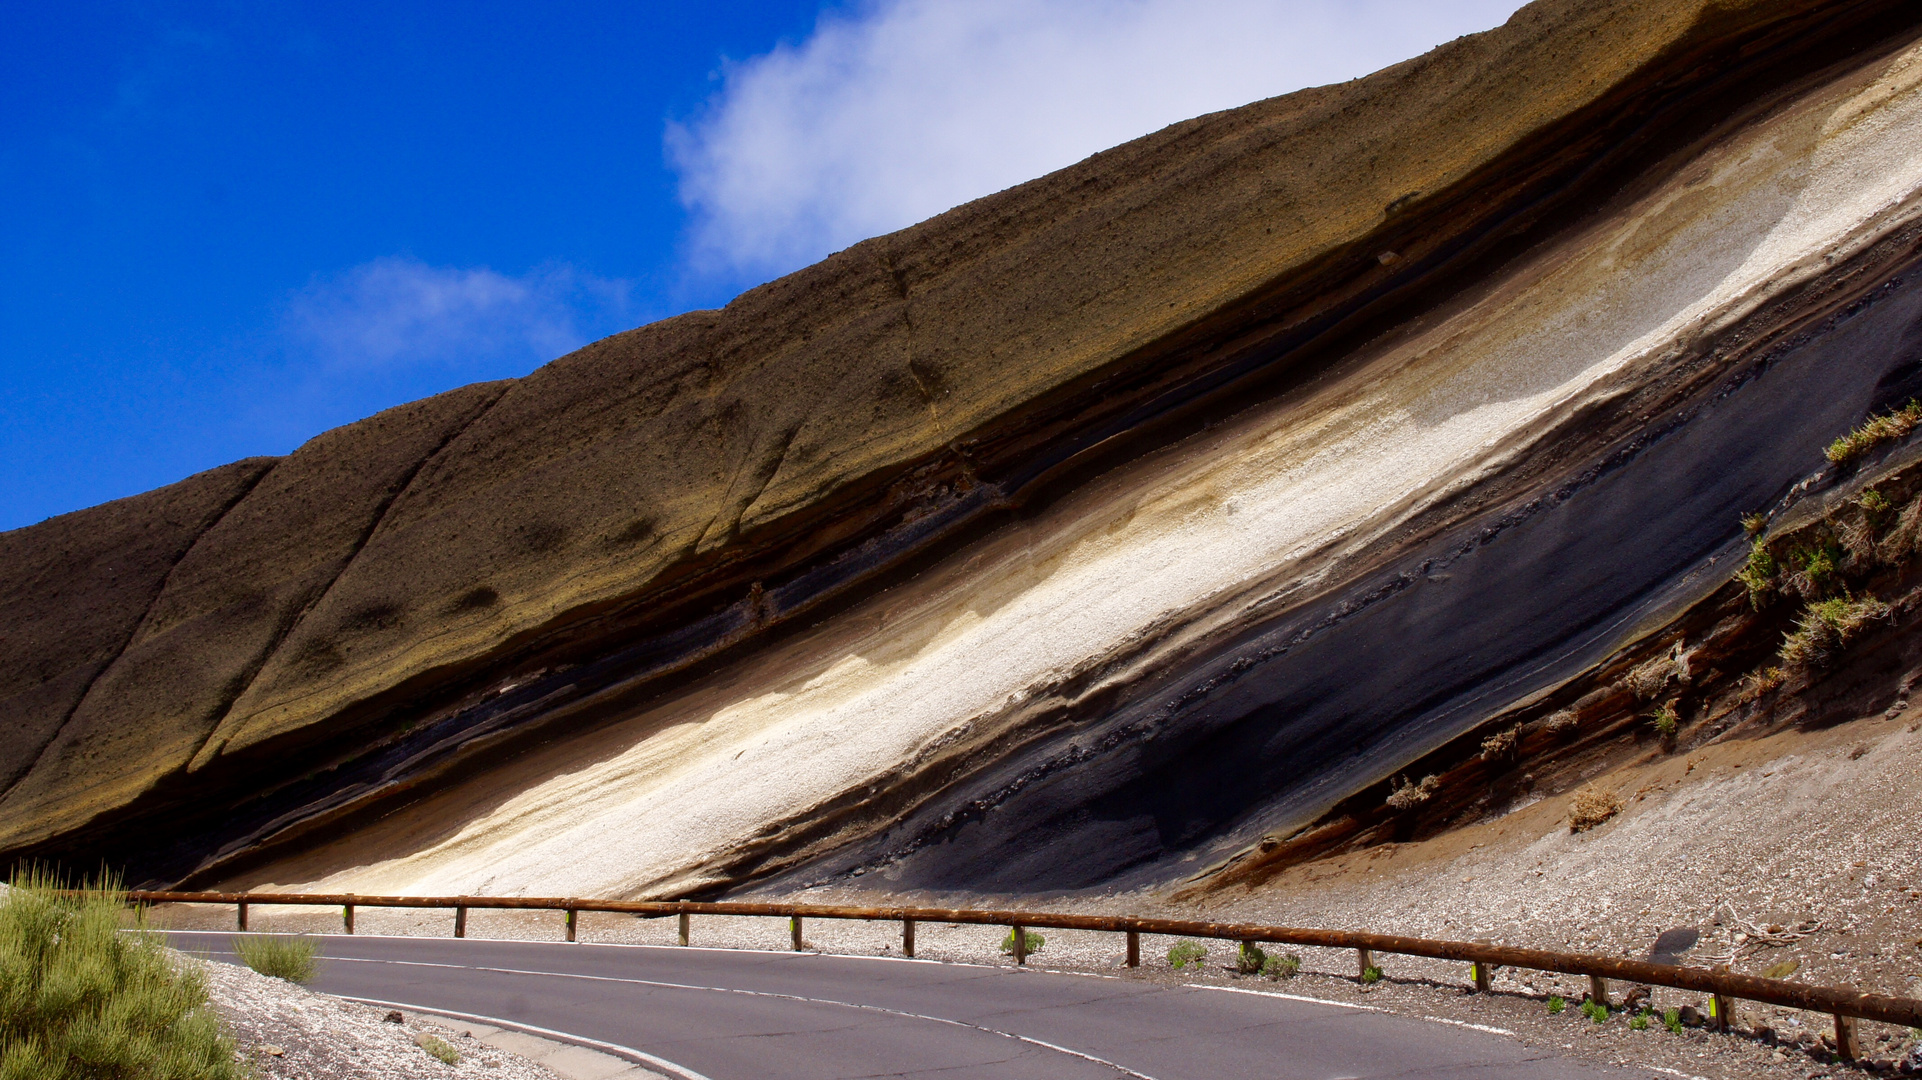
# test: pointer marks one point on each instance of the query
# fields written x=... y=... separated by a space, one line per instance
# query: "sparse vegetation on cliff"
x=1758 y=574
x=1877 y=430
x=1826 y=626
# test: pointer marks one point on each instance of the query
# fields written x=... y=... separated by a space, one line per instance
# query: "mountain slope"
x=1076 y=534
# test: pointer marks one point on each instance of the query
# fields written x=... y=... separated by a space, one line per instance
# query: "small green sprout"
x=439 y=1049
x=1249 y=959
x=1282 y=967
x=1187 y=952
x=1034 y=942
x=1556 y=1005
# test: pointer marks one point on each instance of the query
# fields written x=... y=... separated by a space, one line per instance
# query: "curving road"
x=739 y=1015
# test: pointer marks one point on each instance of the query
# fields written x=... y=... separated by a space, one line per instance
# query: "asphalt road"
x=738 y=1015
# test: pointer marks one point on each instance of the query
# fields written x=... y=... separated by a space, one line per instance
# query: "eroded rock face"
x=1126 y=446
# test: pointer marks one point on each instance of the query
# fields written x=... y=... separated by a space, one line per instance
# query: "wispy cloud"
x=397 y=328
x=399 y=312
x=900 y=109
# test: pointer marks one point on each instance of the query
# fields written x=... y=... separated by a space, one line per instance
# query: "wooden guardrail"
x=1724 y=987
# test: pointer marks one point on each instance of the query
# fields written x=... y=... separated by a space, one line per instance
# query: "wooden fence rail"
x=1723 y=986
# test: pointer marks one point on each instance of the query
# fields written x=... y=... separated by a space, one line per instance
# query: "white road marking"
x=1122 y=1069
x=644 y=1058
x=1288 y=997
x=1476 y=1027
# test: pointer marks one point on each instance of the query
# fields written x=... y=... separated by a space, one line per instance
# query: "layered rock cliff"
x=1083 y=535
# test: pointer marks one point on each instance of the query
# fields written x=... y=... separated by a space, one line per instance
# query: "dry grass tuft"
x=1648 y=679
x=1407 y=796
x=1903 y=539
x=1591 y=806
x=1501 y=746
x=1759 y=683
x=1858 y=542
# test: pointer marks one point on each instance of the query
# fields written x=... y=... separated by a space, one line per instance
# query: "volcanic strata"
x=1115 y=527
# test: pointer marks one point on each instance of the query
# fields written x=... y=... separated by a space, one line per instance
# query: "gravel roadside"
x=287 y=1032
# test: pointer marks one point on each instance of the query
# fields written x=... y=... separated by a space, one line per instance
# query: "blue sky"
x=228 y=227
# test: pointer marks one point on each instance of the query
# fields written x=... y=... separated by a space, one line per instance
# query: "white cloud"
x=899 y=109
x=398 y=313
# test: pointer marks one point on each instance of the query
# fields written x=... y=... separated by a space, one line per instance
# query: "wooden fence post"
x=460 y=920
x=347 y=914
x=1364 y=959
x=572 y=915
x=1021 y=945
x=1598 y=990
x=1722 y=1012
x=1848 y=1043
x=1484 y=976
x=794 y=931
x=684 y=921
x=907 y=938
x=1134 y=948
x=243 y=916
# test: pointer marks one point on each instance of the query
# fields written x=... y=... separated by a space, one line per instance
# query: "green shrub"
x=289 y=958
x=1034 y=942
x=1187 y=952
x=1371 y=975
x=1595 y=1011
x=1672 y=1020
x=1816 y=566
x=1639 y=1022
x=439 y=1049
x=1556 y=1005
x=1875 y=504
x=1250 y=959
x=1282 y=967
x=80 y=1000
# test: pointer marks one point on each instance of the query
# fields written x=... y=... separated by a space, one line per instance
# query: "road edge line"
x=644 y=1058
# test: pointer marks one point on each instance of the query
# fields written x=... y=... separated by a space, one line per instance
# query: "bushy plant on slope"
x=81 y=1000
